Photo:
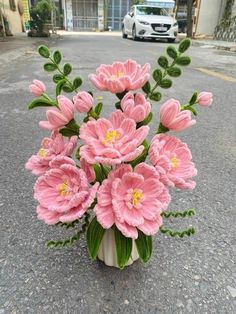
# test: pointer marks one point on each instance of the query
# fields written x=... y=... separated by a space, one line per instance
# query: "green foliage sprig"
x=186 y=213
x=63 y=83
x=72 y=240
x=168 y=67
x=187 y=232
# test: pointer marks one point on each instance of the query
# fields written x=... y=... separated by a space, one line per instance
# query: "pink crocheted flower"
x=119 y=77
x=135 y=107
x=58 y=117
x=112 y=141
x=132 y=200
x=172 y=160
x=173 y=118
x=63 y=194
x=83 y=102
x=205 y=99
x=50 y=148
x=88 y=169
x=37 y=88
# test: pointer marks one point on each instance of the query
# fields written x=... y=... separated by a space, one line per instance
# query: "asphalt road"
x=191 y=275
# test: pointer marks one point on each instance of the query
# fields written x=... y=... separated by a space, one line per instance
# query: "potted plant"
x=116 y=188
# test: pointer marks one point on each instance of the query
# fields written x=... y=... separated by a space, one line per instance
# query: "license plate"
x=161 y=28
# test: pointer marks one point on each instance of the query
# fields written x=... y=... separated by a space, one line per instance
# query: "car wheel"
x=134 y=33
x=171 y=40
x=123 y=32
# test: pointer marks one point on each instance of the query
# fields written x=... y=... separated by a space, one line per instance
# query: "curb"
x=199 y=43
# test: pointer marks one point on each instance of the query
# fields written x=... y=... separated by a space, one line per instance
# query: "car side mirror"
x=131 y=14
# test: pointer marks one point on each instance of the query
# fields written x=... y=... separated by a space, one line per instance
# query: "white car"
x=147 y=21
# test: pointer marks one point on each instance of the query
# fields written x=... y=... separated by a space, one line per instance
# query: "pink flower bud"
x=83 y=102
x=58 y=117
x=135 y=107
x=173 y=118
x=205 y=99
x=38 y=88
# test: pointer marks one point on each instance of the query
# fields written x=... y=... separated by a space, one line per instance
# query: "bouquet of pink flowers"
x=118 y=182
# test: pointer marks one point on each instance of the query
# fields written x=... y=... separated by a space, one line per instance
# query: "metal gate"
x=117 y=9
x=85 y=14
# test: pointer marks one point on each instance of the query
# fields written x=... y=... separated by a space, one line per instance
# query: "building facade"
x=94 y=14
x=14 y=13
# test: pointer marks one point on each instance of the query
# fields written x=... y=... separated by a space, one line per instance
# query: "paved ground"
x=194 y=275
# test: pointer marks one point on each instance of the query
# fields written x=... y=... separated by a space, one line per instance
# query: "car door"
x=129 y=21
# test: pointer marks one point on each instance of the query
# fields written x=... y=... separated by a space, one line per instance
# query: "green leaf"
x=163 y=62
x=67 y=88
x=68 y=132
x=157 y=75
x=146 y=87
x=123 y=248
x=145 y=144
x=77 y=153
x=50 y=67
x=73 y=125
x=117 y=105
x=77 y=82
x=57 y=56
x=67 y=69
x=193 y=99
x=146 y=121
x=183 y=60
x=94 y=235
x=44 y=51
x=141 y=157
x=100 y=176
x=194 y=111
x=174 y=71
x=57 y=78
x=172 y=52
x=184 y=45
x=155 y=96
x=59 y=86
x=98 y=108
x=166 y=83
x=41 y=102
x=144 y=246
x=121 y=95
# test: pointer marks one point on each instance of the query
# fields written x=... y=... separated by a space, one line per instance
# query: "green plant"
x=40 y=14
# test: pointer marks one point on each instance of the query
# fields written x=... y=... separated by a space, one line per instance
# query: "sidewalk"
x=13 y=47
x=217 y=44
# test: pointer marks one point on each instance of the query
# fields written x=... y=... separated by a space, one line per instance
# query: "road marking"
x=216 y=74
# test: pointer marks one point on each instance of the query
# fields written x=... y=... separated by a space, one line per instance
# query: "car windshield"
x=150 y=11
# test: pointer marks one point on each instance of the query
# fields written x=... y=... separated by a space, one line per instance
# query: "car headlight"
x=143 y=22
x=175 y=24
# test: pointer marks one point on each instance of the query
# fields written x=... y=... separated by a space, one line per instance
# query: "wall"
x=13 y=17
x=209 y=16
x=227 y=31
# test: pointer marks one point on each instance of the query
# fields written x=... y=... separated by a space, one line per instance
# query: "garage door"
x=85 y=14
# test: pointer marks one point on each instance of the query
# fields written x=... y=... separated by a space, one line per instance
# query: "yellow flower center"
x=136 y=197
x=174 y=162
x=64 y=188
x=111 y=137
x=118 y=75
x=42 y=152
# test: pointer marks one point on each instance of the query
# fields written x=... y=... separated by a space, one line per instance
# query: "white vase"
x=107 y=250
